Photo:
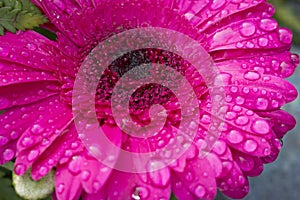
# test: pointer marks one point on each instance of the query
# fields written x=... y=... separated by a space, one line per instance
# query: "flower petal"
x=199 y=178
x=68 y=186
x=132 y=186
x=42 y=133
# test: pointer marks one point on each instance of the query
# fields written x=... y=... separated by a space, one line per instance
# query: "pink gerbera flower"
x=37 y=77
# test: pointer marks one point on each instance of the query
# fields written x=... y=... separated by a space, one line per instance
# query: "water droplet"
x=60 y=188
x=205 y=119
x=230 y=115
x=8 y=154
x=260 y=126
x=268 y=24
x=267 y=151
x=242 y=120
x=285 y=36
x=178 y=185
x=4 y=103
x=50 y=162
x=75 y=165
x=263 y=42
x=43 y=171
x=193 y=125
x=27 y=141
x=219 y=147
x=262 y=103
x=36 y=129
x=275 y=103
x=160 y=143
x=3 y=140
x=189 y=176
x=242 y=180
x=234 y=89
x=235 y=137
x=240 y=100
x=33 y=154
x=250 y=145
x=4 y=51
x=85 y=175
x=96 y=185
x=19 y=169
x=200 y=191
x=247 y=29
x=143 y=192
x=31 y=47
x=223 y=79
x=25 y=54
x=217 y=4
x=249 y=44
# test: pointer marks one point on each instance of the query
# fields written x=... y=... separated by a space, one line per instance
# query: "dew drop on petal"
x=263 y=42
x=230 y=115
x=33 y=154
x=60 y=188
x=96 y=185
x=8 y=154
x=242 y=120
x=200 y=191
x=31 y=47
x=252 y=75
x=142 y=192
x=36 y=129
x=85 y=175
x=240 y=100
x=242 y=180
x=19 y=169
x=285 y=36
x=250 y=146
x=4 y=102
x=4 y=51
x=247 y=29
x=262 y=103
x=235 y=137
x=217 y=4
x=267 y=151
x=3 y=140
x=189 y=176
x=268 y=24
x=74 y=165
x=43 y=170
x=27 y=141
x=260 y=126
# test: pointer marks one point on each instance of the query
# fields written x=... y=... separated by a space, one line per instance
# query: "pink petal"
x=235 y=11
x=251 y=166
x=59 y=152
x=280 y=120
x=133 y=186
x=42 y=133
x=282 y=64
x=235 y=184
x=32 y=50
x=253 y=90
x=198 y=178
x=68 y=186
x=24 y=77
x=26 y=93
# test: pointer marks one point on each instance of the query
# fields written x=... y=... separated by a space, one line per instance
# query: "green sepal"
x=19 y=15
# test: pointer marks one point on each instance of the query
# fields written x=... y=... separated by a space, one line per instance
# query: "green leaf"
x=7 y=191
x=19 y=15
x=9 y=166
